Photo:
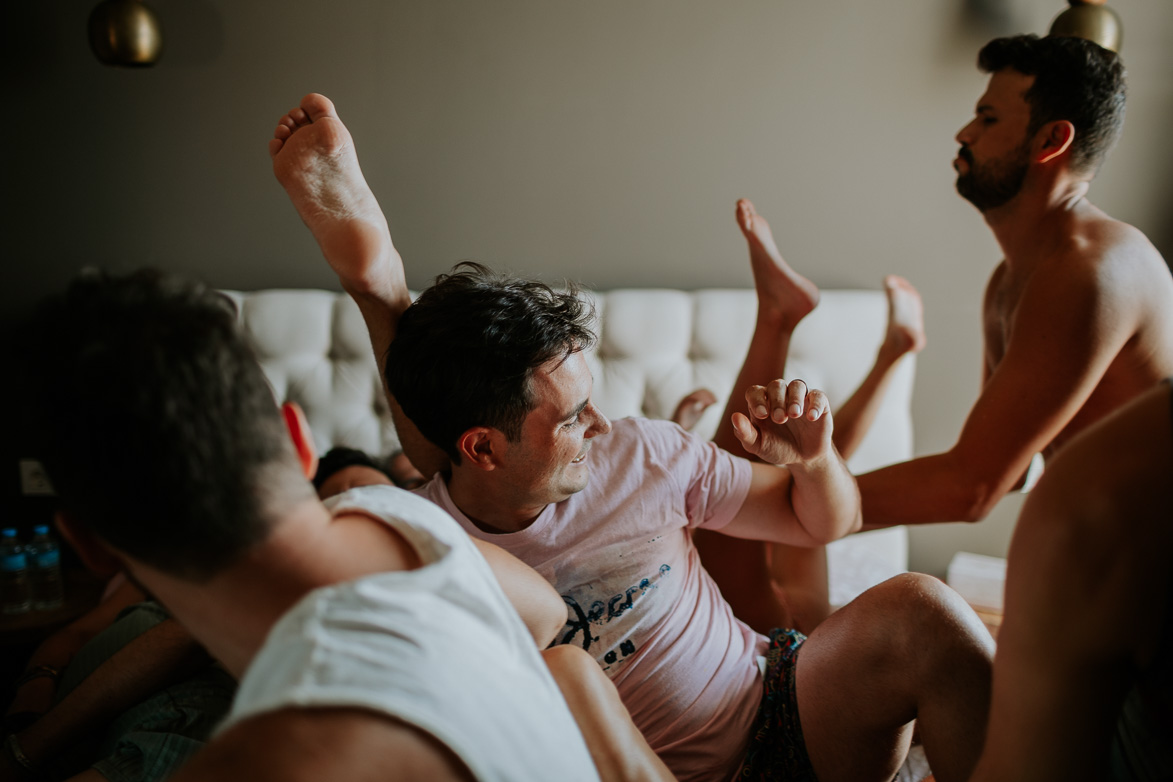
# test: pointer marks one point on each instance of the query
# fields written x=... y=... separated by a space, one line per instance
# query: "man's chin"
x=964 y=189
x=577 y=485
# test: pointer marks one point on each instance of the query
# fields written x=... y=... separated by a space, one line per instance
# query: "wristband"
x=12 y=746
x=38 y=672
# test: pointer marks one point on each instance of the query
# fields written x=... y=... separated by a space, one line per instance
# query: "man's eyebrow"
x=574 y=413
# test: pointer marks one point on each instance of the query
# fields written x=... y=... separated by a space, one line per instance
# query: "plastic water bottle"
x=44 y=559
x=14 y=578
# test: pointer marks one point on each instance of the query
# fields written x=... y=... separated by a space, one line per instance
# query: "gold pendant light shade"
x=1091 y=20
x=125 y=32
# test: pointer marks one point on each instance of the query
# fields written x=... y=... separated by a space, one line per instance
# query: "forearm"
x=35 y=693
x=938 y=488
x=156 y=659
x=56 y=651
x=825 y=497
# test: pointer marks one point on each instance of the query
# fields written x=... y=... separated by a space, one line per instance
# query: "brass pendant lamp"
x=1090 y=19
x=125 y=32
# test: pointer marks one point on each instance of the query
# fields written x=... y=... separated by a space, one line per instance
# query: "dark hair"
x=339 y=458
x=1075 y=80
x=465 y=351
x=156 y=424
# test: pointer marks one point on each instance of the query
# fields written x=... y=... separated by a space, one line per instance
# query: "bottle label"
x=47 y=559
x=11 y=562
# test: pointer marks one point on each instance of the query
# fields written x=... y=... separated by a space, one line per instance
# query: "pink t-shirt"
x=638 y=599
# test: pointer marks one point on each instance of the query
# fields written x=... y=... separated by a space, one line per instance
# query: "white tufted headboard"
x=655 y=345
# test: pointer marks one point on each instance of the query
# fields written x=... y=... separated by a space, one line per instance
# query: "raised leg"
x=800 y=573
x=905 y=334
x=314 y=159
x=784 y=299
x=908 y=649
x=741 y=567
x=618 y=748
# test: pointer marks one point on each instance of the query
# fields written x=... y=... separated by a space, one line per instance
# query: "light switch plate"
x=34 y=481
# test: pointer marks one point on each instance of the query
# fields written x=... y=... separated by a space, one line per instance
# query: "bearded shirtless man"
x=1078 y=316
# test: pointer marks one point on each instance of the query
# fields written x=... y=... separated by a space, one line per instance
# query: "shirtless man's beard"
x=990 y=185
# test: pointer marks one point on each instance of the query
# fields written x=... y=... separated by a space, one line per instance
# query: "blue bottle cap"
x=41 y=529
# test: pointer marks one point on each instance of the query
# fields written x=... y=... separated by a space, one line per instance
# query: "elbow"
x=856 y=523
x=977 y=500
x=848 y=525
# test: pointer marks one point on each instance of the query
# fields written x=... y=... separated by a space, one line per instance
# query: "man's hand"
x=786 y=423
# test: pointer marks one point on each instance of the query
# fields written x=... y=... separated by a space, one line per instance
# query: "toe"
x=317 y=106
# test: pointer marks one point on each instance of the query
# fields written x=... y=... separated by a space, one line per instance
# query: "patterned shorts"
x=777 y=750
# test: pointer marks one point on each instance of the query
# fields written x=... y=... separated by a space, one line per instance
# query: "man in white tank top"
x=371 y=638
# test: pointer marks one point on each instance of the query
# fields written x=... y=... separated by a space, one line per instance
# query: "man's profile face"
x=995 y=150
x=550 y=461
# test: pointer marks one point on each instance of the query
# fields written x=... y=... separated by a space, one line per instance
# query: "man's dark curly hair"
x=154 y=421
x=1075 y=80
x=339 y=458
x=465 y=351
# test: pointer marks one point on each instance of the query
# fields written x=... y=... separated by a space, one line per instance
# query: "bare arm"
x=1068 y=329
x=159 y=657
x=1086 y=595
x=619 y=750
x=814 y=500
x=540 y=607
x=57 y=650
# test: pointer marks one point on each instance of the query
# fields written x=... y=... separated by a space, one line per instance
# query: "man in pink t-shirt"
x=490 y=370
x=621 y=555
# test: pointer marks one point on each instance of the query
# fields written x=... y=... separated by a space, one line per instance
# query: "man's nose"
x=963 y=136
x=599 y=423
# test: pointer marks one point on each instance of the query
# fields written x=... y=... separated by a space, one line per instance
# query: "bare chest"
x=998 y=319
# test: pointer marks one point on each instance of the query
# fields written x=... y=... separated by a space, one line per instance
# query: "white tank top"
x=439 y=647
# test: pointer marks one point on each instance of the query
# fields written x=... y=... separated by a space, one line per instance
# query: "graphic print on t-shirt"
x=578 y=629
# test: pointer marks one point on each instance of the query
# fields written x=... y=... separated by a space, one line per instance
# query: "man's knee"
x=928 y=614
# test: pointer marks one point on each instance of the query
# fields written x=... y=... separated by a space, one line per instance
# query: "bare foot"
x=780 y=289
x=906 y=321
x=315 y=161
x=688 y=410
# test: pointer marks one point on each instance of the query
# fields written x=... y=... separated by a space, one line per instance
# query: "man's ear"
x=302 y=437
x=480 y=446
x=99 y=558
x=1055 y=138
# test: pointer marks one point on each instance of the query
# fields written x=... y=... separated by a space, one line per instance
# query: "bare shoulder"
x=1114 y=251
x=1106 y=270
x=343 y=744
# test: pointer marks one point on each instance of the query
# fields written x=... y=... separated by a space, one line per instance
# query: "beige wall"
x=605 y=141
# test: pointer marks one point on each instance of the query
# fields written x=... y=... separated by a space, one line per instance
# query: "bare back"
x=1090 y=321
x=1084 y=657
x=313 y=744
